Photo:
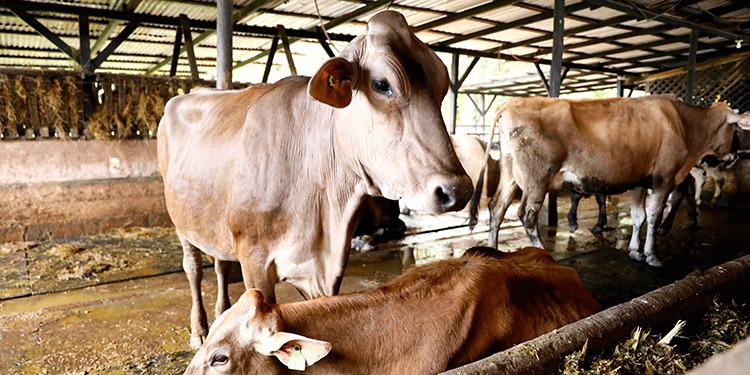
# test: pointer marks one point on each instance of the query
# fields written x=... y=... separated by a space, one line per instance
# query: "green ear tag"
x=296 y=361
x=331 y=81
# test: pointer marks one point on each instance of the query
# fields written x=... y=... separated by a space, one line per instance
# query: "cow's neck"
x=699 y=125
x=333 y=194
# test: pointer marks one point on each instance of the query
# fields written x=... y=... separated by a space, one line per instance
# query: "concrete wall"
x=54 y=189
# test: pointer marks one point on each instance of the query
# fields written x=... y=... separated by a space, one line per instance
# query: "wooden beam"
x=176 y=52
x=239 y=15
x=287 y=50
x=112 y=46
x=187 y=36
x=44 y=31
x=84 y=40
x=668 y=19
x=463 y=14
x=513 y=24
x=326 y=47
x=269 y=60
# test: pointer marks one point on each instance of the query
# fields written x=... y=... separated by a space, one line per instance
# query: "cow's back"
x=604 y=143
x=200 y=139
x=520 y=296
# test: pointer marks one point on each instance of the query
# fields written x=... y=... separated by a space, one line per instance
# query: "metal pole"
x=558 y=31
x=453 y=94
x=224 y=44
x=689 y=92
x=620 y=87
x=555 y=82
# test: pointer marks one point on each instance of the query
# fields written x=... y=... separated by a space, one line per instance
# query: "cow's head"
x=390 y=130
x=247 y=339
x=726 y=137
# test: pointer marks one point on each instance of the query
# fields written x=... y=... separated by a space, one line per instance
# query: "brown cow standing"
x=432 y=318
x=605 y=146
x=272 y=175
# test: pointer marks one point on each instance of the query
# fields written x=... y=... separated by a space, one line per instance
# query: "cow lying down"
x=432 y=318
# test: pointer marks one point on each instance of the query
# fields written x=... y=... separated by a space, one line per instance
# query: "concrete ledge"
x=41 y=211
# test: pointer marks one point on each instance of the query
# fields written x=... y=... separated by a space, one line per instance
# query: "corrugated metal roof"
x=149 y=44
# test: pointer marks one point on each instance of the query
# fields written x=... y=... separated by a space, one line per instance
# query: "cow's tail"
x=477 y=196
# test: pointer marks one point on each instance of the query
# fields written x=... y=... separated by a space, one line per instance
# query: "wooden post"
x=185 y=24
x=269 y=59
x=689 y=92
x=176 y=52
x=287 y=51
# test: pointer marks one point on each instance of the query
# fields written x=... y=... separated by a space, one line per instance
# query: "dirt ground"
x=116 y=303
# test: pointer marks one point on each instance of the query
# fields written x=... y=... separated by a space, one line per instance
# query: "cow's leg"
x=673 y=205
x=715 y=174
x=601 y=222
x=654 y=209
x=534 y=201
x=222 y=291
x=700 y=177
x=575 y=199
x=692 y=208
x=638 y=216
x=498 y=207
x=191 y=263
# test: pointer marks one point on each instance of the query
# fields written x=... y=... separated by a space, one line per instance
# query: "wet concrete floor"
x=66 y=311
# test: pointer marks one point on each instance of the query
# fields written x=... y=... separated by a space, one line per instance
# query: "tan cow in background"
x=272 y=175
x=430 y=319
x=605 y=146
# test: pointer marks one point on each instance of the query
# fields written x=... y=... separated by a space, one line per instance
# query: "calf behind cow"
x=273 y=175
x=432 y=318
x=605 y=146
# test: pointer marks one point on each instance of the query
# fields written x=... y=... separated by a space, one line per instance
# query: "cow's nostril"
x=446 y=197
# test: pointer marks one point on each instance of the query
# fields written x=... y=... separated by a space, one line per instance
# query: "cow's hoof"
x=653 y=262
x=597 y=229
x=573 y=228
x=636 y=255
x=196 y=341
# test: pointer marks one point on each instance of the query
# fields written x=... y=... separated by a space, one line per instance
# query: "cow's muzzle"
x=452 y=194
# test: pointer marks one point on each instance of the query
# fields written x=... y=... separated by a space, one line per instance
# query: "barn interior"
x=92 y=278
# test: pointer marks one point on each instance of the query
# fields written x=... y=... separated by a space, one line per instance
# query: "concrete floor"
x=96 y=324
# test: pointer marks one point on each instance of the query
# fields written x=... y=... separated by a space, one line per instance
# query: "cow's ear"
x=294 y=351
x=332 y=83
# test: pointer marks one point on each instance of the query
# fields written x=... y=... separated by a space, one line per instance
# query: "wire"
x=323 y=27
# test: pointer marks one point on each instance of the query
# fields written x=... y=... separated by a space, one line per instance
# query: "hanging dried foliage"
x=74 y=110
x=54 y=107
x=8 y=121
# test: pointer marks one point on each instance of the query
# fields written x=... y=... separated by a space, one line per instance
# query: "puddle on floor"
x=141 y=325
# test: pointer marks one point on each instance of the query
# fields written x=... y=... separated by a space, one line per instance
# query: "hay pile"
x=725 y=324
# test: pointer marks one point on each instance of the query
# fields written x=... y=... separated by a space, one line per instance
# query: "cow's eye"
x=219 y=359
x=382 y=86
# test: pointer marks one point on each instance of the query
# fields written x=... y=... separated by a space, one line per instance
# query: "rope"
x=323 y=27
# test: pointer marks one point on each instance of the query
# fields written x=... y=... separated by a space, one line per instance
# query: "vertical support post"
x=185 y=24
x=555 y=83
x=453 y=94
x=176 y=52
x=620 y=90
x=689 y=92
x=87 y=70
x=224 y=44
